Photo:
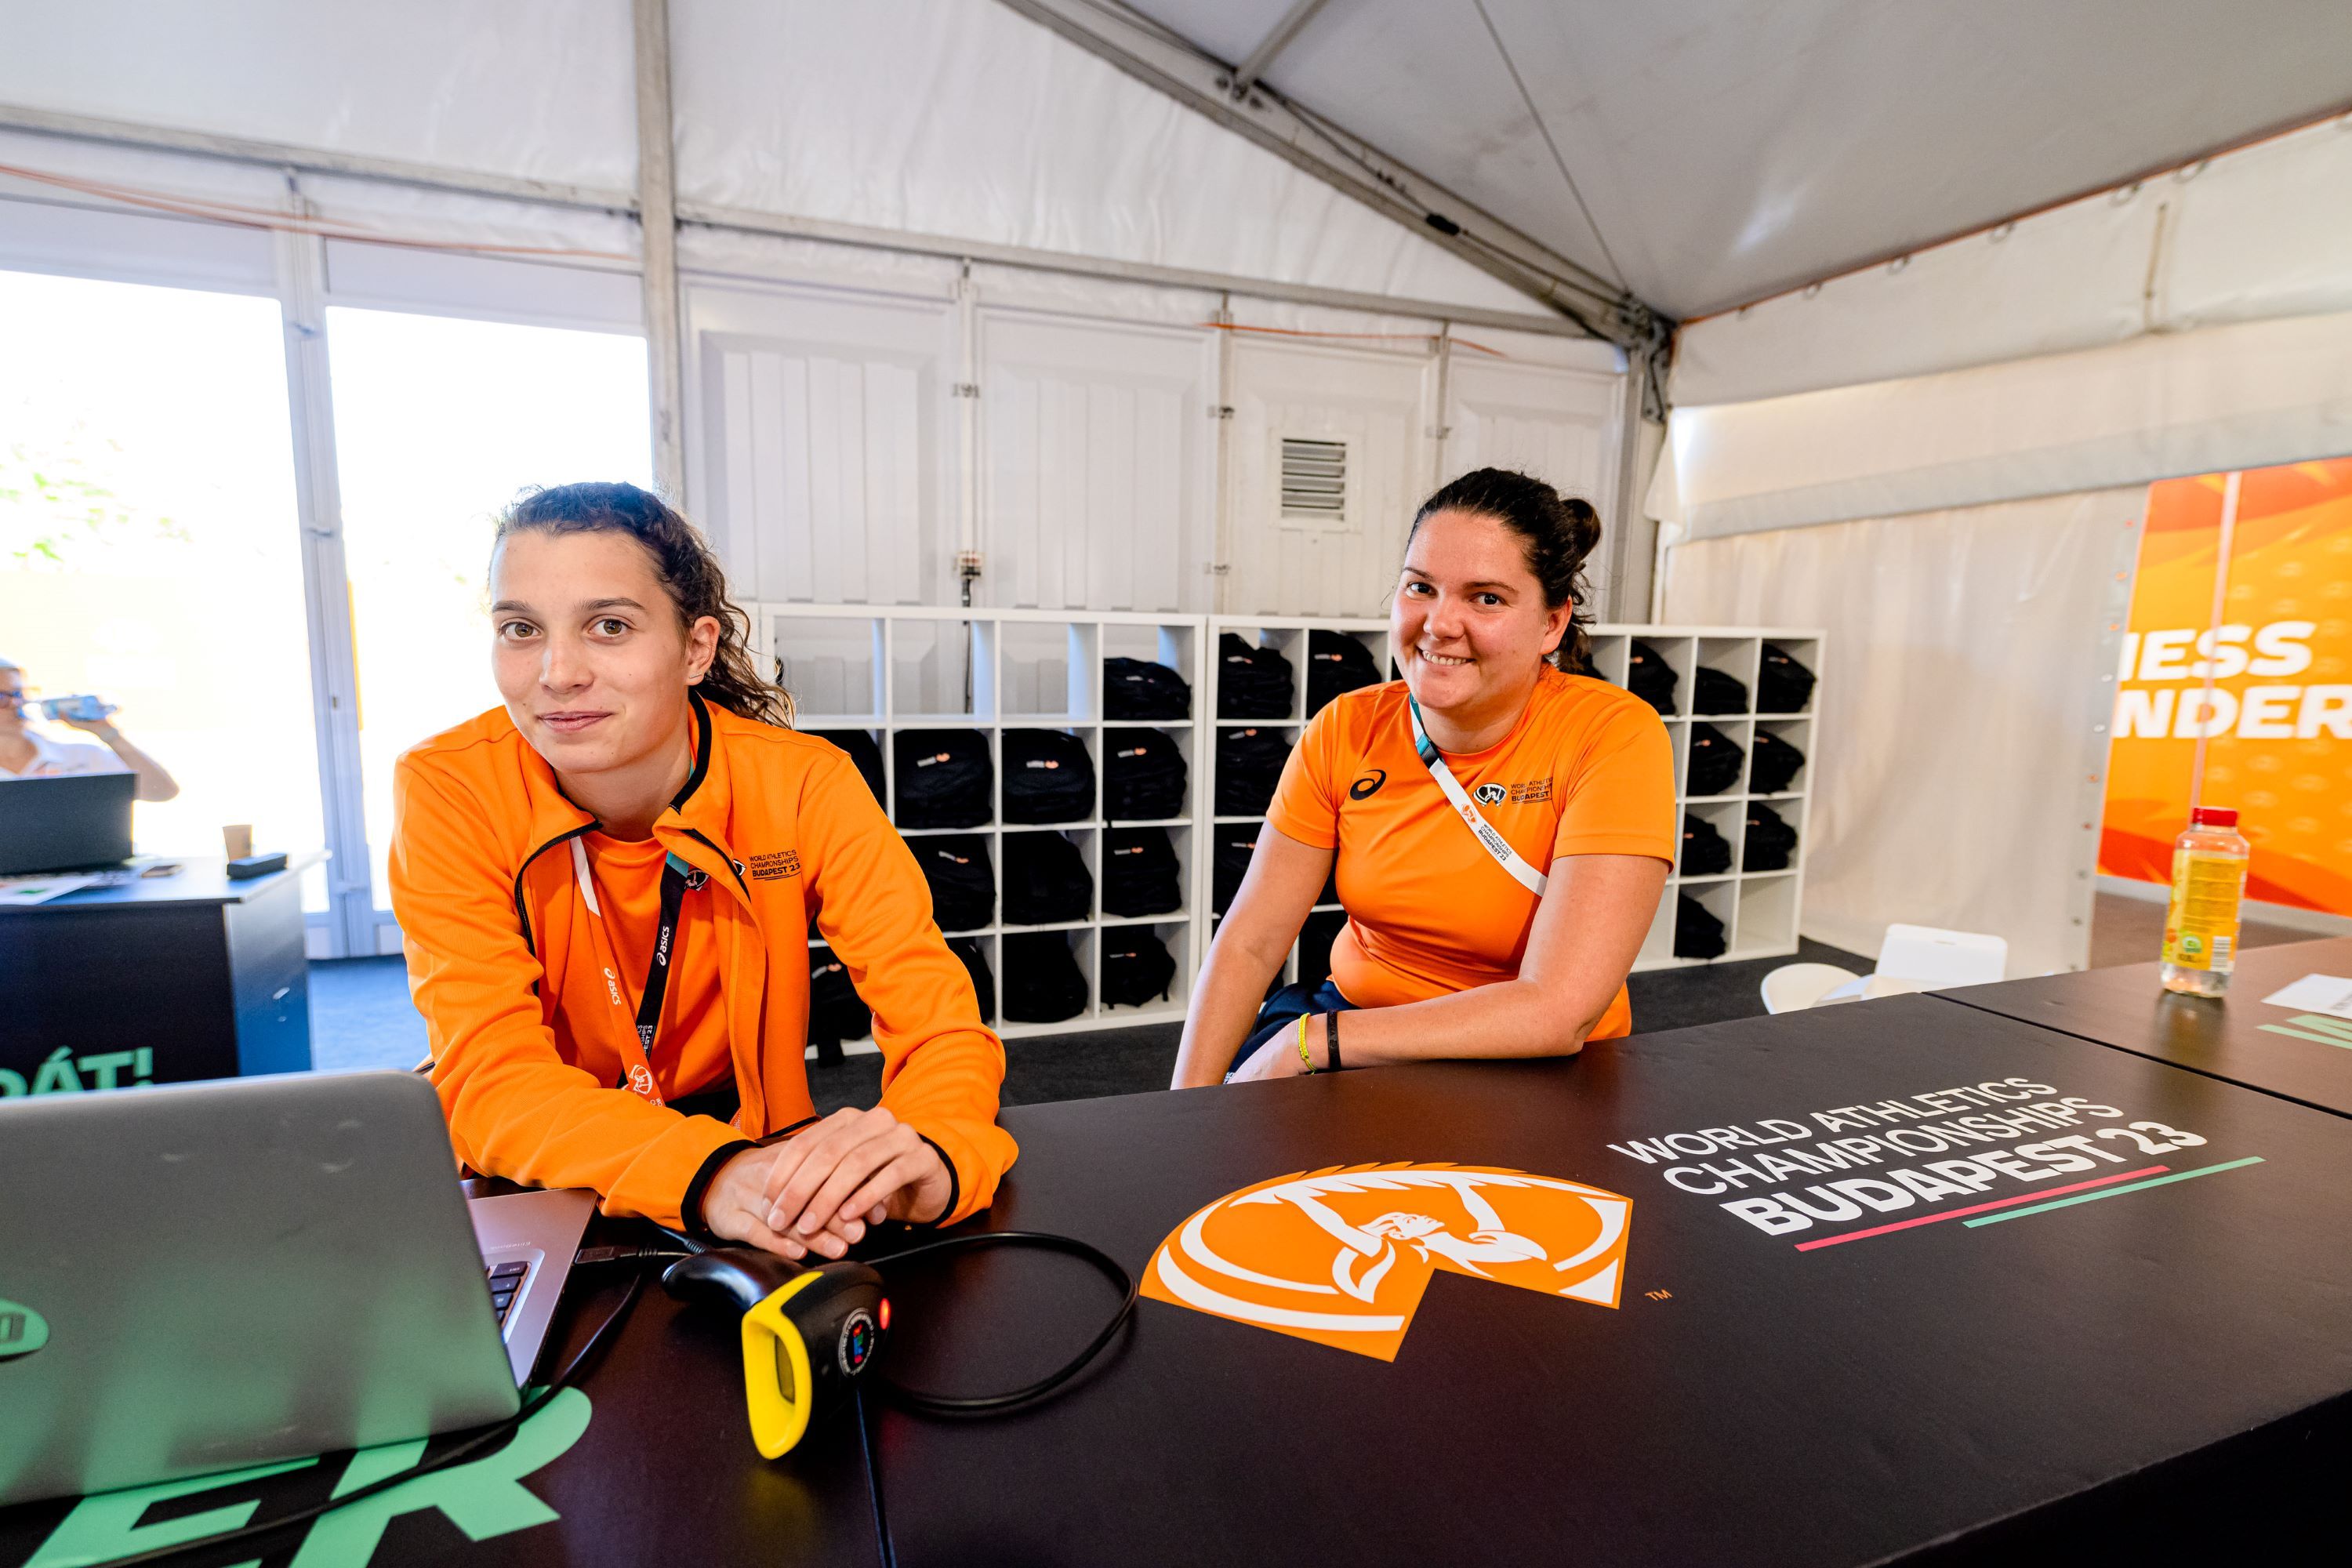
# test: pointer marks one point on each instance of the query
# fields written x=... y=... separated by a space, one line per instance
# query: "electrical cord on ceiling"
x=1558 y=162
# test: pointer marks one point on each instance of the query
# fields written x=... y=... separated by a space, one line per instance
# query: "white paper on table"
x=2330 y=994
x=19 y=891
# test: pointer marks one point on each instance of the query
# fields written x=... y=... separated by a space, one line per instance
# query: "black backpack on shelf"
x=1783 y=686
x=865 y=754
x=1144 y=775
x=1046 y=880
x=1315 y=939
x=1649 y=677
x=976 y=963
x=1042 y=983
x=1771 y=840
x=1140 y=876
x=1134 y=689
x=1230 y=847
x=945 y=778
x=1249 y=765
x=1713 y=692
x=1775 y=763
x=1253 y=682
x=1697 y=933
x=1136 y=967
x=836 y=1012
x=1048 y=777
x=1714 y=762
x=1337 y=662
x=1706 y=852
x=963 y=884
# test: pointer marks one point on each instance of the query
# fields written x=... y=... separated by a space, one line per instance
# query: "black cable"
x=874 y=1483
x=989 y=1403
x=472 y=1446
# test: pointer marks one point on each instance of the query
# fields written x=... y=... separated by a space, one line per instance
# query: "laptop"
x=68 y=823
x=202 y=1276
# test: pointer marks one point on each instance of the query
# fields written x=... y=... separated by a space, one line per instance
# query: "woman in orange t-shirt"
x=1511 y=941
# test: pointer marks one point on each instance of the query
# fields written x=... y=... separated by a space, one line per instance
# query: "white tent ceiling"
x=1727 y=149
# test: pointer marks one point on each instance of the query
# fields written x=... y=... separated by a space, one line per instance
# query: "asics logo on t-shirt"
x=1366 y=787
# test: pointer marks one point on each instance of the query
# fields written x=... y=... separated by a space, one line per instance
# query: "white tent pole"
x=657 y=220
x=301 y=267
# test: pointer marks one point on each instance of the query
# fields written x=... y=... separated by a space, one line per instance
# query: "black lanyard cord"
x=678 y=880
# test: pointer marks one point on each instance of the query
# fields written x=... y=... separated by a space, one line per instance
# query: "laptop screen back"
x=65 y=824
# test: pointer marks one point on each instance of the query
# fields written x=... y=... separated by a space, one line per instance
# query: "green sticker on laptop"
x=22 y=1330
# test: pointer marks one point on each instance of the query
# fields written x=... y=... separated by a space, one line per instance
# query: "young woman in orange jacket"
x=605 y=890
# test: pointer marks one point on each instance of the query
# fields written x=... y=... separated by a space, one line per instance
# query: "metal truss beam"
x=1163 y=59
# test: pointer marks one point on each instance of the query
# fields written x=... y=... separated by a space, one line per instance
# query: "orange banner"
x=2277 y=726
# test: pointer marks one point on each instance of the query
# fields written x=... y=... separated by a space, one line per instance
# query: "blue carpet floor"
x=361 y=1017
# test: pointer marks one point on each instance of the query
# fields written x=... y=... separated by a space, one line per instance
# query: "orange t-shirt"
x=1588 y=770
x=690 y=1049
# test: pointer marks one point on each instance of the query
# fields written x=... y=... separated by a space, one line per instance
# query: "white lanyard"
x=1495 y=844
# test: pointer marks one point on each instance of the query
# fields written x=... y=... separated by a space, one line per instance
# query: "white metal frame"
x=1760 y=910
x=995 y=646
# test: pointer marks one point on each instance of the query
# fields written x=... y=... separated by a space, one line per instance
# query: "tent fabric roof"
x=1730 y=150
x=948 y=117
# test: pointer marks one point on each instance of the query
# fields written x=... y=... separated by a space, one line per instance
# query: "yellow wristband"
x=1304 y=1060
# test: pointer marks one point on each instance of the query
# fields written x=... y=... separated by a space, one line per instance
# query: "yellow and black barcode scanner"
x=808 y=1334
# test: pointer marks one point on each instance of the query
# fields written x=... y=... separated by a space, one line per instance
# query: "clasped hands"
x=819 y=1191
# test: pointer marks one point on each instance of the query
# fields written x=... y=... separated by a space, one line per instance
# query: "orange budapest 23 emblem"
x=1341 y=1257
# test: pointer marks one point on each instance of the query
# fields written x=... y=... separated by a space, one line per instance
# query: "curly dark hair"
x=688 y=569
x=1555 y=532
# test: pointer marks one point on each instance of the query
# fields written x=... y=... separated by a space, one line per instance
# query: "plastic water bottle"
x=2209 y=884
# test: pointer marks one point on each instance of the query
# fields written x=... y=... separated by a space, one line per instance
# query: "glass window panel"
x=439 y=422
x=150 y=547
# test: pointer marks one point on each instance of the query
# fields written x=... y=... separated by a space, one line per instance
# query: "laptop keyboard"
x=506 y=1279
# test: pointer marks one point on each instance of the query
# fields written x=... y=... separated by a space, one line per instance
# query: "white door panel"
x=1095 y=464
x=822 y=446
x=1561 y=425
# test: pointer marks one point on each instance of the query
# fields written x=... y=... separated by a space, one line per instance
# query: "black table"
x=2147 y=1359
x=155 y=980
x=2238 y=1037
x=1961 y=1391
x=663 y=1473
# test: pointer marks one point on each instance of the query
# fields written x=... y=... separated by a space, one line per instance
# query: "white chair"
x=1935 y=958
x=1925 y=958
x=1793 y=987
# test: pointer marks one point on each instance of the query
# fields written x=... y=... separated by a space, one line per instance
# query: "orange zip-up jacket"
x=525 y=1041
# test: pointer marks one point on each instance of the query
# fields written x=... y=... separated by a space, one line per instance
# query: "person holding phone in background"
x=26 y=753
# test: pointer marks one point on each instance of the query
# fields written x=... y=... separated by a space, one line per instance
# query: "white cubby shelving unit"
x=1758 y=909
x=885 y=669
x=1288 y=635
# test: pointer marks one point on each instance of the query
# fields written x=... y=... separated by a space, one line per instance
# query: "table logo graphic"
x=22 y=1330
x=1341 y=1257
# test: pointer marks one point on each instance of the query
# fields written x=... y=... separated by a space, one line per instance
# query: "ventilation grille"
x=1314 y=480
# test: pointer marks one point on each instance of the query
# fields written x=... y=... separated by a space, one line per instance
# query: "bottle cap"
x=2213 y=816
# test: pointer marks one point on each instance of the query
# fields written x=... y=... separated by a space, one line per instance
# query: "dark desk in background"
x=205 y=975
x=2128 y=1007
x=1744 y=1403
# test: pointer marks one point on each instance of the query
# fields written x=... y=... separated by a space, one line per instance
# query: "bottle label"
x=2200 y=927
